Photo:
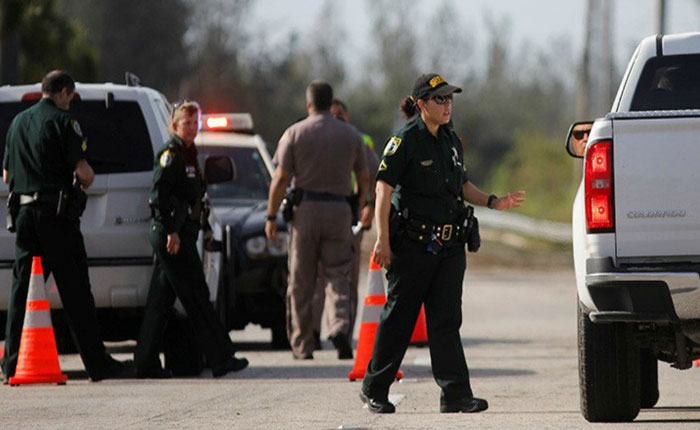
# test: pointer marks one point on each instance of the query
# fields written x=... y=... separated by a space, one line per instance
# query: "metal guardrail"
x=559 y=232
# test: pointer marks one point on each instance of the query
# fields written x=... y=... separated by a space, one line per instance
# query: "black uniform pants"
x=416 y=277
x=179 y=276
x=60 y=244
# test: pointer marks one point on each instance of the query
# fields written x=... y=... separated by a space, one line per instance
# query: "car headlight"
x=281 y=247
x=256 y=247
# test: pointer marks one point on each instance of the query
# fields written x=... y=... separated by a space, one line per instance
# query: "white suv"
x=124 y=125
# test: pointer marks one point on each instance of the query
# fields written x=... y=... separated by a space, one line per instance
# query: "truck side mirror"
x=218 y=169
x=577 y=137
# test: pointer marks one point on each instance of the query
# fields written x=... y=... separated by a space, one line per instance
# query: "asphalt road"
x=519 y=336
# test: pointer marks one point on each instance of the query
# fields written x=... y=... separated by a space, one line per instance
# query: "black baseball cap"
x=429 y=84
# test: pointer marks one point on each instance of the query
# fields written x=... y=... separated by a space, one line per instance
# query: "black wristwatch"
x=489 y=202
x=272 y=217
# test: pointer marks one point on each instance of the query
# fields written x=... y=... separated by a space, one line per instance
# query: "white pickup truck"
x=636 y=231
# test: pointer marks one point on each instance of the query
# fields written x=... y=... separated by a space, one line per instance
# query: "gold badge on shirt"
x=392 y=146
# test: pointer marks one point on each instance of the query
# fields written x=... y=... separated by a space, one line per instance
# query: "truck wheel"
x=608 y=363
x=649 y=373
x=183 y=356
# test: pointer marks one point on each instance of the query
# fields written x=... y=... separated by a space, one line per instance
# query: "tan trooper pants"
x=320 y=294
x=320 y=233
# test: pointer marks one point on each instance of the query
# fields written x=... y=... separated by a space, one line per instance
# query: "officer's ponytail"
x=408 y=107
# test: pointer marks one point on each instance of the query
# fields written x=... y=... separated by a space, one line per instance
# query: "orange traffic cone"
x=420 y=333
x=375 y=299
x=38 y=356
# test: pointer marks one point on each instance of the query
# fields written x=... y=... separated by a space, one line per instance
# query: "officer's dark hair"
x=337 y=102
x=55 y=81
x=320 y=95
x=409 y=107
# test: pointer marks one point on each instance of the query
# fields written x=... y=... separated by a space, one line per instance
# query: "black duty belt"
x=323 y=197
x=425 y=232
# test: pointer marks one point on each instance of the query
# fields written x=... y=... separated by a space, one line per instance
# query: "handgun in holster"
x=470 y=229
x=72 y=201
x=12 y=211
x=291 y=198
x=397 y=226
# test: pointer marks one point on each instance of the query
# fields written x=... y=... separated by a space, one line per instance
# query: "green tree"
x=39 y=40
x=539 y=165
x=143 y=37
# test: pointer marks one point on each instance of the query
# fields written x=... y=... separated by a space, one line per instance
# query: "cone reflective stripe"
x=375 y=299
x=38 y=357
x=420 y=332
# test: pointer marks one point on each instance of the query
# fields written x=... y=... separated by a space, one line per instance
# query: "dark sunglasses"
x=441 y=100
x=580 y=133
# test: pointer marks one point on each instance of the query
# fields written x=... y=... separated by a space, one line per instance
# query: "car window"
x=669 y=83
x=117 y=138
x=251 y=179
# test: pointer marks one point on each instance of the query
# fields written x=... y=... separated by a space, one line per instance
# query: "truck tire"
x=609 y=379
x=649 y=373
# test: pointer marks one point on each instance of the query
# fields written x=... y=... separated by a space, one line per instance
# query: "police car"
x=248 y=272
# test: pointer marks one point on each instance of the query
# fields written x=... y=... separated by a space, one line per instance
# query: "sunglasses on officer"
x=579 y=134
x=441 y=100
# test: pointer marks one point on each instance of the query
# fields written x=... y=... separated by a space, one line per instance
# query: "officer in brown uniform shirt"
x=319 y=152
x=340 y=111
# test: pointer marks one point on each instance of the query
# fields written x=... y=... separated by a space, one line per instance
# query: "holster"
x=397 y=226
x=470 y=231
x=12 y=211
x=291 y=198
x=72 y=201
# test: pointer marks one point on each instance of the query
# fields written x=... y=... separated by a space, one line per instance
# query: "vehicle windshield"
x=669 y=83
x=117 y=138
x=251 y=179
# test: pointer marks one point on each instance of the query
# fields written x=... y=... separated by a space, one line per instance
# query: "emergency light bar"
x=240 y=122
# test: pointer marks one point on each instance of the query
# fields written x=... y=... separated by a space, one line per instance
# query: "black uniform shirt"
x=43 y=147
x=427 y=173
x=177 y=183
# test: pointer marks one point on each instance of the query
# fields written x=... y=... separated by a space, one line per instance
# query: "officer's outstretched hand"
x=173 y=245
x=509 y=201
x=382 y=253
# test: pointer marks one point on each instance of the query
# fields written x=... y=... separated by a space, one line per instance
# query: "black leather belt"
x=323 y=197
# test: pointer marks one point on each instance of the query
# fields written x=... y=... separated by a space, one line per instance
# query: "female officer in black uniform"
x=422 y=176
x=176 y=198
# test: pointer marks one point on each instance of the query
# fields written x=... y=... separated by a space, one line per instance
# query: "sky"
x=539 y=22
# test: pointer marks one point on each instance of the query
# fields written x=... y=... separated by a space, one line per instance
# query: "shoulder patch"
x=76 y=127
x=382 y=166
x=166 y=159
x=84 y=145
x=392 y=146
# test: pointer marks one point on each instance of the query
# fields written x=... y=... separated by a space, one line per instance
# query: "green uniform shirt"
x=43 y=147
x=427 y=173
x=177 y=185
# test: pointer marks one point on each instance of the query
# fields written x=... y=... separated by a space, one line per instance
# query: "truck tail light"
x=599 y=188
